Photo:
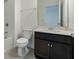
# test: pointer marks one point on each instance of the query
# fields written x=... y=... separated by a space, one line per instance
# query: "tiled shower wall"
x=9 y=19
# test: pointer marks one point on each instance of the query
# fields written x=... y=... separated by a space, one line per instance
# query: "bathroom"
x=28 y=17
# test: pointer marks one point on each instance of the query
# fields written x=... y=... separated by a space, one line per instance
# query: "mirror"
x=49 y=13
x=62 y=14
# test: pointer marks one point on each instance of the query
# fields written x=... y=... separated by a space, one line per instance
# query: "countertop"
x=56 y=30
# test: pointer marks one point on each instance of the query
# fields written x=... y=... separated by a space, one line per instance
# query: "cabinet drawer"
x=54 y=37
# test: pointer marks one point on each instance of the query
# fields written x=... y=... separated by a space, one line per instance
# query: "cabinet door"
x=61 y=51
x=42 y=48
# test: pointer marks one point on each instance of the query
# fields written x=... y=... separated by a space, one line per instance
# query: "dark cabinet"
x=42 y=48
x=61 y=51
x=53 y=46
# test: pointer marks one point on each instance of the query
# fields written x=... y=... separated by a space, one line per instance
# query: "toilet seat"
x=22 y=40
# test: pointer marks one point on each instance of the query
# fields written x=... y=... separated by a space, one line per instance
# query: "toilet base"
x=22 y=51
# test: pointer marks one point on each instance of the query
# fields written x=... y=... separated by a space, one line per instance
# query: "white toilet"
x=23 y=42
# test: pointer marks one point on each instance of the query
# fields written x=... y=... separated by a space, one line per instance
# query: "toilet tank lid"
x=22 y=40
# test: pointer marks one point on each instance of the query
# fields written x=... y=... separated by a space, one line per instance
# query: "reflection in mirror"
x=49 y=13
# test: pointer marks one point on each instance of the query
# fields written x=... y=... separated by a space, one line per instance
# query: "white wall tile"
x=9 y=18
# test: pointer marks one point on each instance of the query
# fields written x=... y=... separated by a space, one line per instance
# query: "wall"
x=68 y=13
x=28 y=14
x=71 y=14
x=29 y=17
x=17 y=30
x=65 y=13
x=27 y=4
x=9 y=18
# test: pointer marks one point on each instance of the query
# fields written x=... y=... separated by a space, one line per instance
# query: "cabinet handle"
x=51 y=45
x=48 y=44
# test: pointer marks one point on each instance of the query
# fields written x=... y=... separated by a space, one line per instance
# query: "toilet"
x=22 y=42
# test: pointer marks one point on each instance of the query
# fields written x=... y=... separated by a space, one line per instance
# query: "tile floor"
x=12 y=54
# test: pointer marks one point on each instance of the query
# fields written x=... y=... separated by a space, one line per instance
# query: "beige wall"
x=29 y=16
x=71 y=14
x=17 y=23
x=65 y=13
x=68 y=13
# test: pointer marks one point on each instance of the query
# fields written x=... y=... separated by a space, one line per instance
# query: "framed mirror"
x=49 y=13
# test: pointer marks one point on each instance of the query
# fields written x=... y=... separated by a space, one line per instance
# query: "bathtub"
x=8 y=43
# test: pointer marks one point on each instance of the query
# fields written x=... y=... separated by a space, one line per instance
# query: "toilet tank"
x=27 y=34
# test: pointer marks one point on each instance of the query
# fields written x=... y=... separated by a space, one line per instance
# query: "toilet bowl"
x=22 y=43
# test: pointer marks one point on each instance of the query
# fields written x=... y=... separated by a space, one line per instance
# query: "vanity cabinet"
x=42 y=48
x=53 y=46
